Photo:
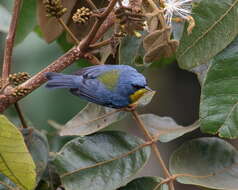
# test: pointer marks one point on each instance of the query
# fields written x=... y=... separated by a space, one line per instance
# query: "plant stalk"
x=9 y=43
x=68 y=30
x=153 y=145
x=20 y=114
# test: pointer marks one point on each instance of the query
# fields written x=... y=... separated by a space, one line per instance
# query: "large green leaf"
x=165 y=129
x=103 y=161
x=219 y=97
x=208 y=162
x=5 y=19
x=15 y=161
x=216 y=27
x=27 y=20
x=145 y=183
x=131 y=51
x=38 y=146
x=91 y=119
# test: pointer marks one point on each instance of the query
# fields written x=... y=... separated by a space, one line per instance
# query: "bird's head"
x=139 y=91
x=138 y=86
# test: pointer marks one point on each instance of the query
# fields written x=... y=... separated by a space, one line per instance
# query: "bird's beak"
x=148 y=88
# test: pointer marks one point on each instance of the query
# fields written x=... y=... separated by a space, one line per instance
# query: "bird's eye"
x=137 y=87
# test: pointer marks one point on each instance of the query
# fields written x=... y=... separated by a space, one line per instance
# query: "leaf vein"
x=208 y=30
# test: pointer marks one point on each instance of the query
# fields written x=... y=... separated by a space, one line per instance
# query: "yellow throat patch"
x=137 y=95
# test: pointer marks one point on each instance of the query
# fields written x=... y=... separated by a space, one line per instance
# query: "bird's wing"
x=108 y=75
x=98 y=70
x=93 y=91
x=92 y=72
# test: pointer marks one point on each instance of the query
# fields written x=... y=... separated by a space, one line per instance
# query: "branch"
x=108 y=23
x=66 y=28
x=37 y=80
x=91 y=4
x=100 y=44
x=97 y=25
x=20 y=114
x=9 y=43
x=153 y=145
x=8 y=54
x=158 y=11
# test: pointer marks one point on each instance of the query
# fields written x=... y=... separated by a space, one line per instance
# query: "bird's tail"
x=58 y=80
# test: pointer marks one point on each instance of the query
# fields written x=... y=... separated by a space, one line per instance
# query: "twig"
x=68 y=30
x=108 y=23
x=92 y=58
x=8 y=54
x=9 y=43
x=153 y=145
x=160 y=13
x=38 y=79
x=20 y=114
x=97 y=25
x=100 y=44
x=175 y=176
x=91 y=4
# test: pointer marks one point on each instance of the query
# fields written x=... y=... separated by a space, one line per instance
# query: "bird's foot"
x=131 y=107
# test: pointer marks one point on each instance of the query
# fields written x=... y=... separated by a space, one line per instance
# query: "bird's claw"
x=131 y=107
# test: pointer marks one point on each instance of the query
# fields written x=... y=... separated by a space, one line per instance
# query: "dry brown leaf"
x=158 y=45
x=50 y=27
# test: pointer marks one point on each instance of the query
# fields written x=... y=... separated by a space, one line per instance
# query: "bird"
x=114 y=86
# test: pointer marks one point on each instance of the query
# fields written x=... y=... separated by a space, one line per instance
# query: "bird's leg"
x=131 y=107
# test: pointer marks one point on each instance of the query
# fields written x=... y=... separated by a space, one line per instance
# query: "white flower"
x=177 y=8
x=124 y=3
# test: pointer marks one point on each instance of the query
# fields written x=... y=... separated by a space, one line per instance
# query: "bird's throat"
x=138 y=94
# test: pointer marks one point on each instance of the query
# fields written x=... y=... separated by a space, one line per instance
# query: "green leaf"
x=131 y=51
x=219 y=100
x=63 y=43
x=146 y=98
x=91 y=119
x=208 y=162
x=103 y=161
x=38 y=146
x=216 y=27
x=51 y=179
x=15 y=161
x=27 y=20
x=5 y=19
x=145 y=183
x=201 y=72
x=165 y=129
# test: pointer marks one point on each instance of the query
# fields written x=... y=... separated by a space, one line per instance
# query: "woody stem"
x=68 y=30
x=153 y=145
